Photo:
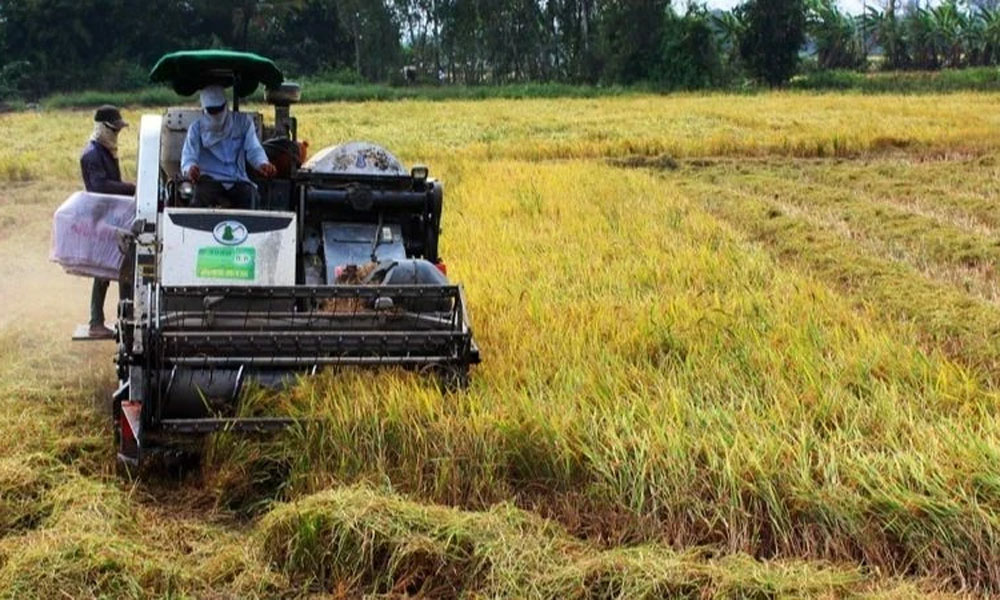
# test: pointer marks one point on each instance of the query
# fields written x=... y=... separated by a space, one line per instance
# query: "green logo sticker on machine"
x=226 y=262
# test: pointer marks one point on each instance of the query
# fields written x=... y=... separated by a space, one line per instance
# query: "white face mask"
x=219 y=118
x=106 y=136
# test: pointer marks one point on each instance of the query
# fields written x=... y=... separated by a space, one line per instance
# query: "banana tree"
x=886 y=28
x=983 y=37
x=838 y=37
x=729 y=27
x=950 y=26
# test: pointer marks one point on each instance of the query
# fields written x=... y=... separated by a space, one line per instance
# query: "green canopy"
x=190 y=70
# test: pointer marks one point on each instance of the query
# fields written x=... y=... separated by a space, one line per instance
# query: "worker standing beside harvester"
x=216 y=150
x=102 y=175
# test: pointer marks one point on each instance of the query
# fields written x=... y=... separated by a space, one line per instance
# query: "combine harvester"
x=336 y=264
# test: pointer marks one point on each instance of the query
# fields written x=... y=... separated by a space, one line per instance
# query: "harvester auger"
x=335 y=264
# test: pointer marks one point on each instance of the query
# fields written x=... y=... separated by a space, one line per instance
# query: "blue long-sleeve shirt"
x=226 y=160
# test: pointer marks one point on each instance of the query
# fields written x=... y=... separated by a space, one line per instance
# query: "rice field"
x=734 y=347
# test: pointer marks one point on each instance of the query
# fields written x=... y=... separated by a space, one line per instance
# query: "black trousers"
x=209 y=193
x=98 y=292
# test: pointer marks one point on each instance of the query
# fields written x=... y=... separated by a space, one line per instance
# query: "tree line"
x=49 y=46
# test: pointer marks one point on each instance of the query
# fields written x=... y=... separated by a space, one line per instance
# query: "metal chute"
x=355 y=158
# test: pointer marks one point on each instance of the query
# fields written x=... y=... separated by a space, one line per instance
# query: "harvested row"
x=94 y=541
x=67 y=528
x=948 y=320
x=384 y=544
x=959 y=190
x=940 y=250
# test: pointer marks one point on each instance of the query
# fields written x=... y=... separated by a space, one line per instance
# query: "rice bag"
x=85 y=233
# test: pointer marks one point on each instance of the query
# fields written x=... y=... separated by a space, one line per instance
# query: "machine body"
x=336 y=264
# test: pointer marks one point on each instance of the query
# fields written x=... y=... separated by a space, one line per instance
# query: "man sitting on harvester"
x=216 y=150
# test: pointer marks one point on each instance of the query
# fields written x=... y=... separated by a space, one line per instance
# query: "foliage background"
x=53 y=46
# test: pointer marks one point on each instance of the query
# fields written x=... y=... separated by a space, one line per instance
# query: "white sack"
x=85 y=231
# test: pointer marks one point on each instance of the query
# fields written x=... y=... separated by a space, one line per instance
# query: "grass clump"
x=16 y=170
x=662 y=162
x=317 y=91
x=97 y=542
x=24 y=485
x=983 y=79
x=87 y=547
x=381 y=543
x=153 y=96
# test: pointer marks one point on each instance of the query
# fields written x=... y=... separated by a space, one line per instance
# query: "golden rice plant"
x=751 y=367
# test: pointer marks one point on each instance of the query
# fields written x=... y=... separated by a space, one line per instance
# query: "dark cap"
x=110 y=115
